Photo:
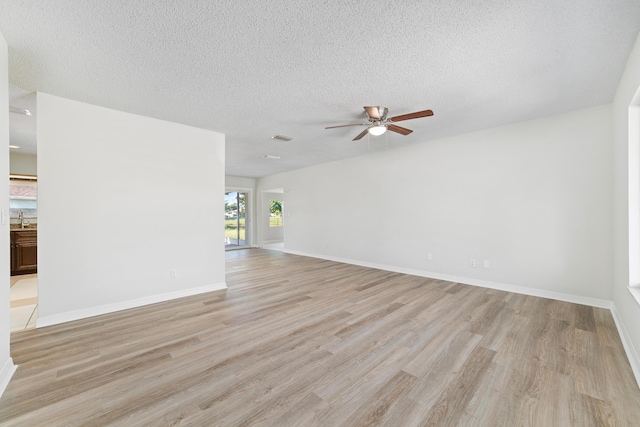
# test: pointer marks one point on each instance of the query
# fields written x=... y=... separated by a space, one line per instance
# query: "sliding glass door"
x=235 y=226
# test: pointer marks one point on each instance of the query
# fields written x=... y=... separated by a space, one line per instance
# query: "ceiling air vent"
x=282 y=138
x=19 y=111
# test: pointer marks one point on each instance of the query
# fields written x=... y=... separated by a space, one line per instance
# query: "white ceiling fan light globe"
x=377 y=130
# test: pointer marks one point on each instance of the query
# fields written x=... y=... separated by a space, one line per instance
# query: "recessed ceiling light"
x=270 y=157
x=13 y=146
x=282 y=137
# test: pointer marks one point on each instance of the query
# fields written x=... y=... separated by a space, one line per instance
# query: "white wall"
x=533 y=198
x=239 y=182
x=626 y=165
x=122 y=200
x=7 y=368
x=23 y=164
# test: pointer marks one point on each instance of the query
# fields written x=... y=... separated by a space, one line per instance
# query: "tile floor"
x=24 y=302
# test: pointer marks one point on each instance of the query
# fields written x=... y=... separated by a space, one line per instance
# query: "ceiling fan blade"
x=350 y=124
x=399 y=129
x=410 y=116
x=361 y=134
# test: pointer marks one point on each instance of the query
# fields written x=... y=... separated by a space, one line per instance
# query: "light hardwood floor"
x=301 y=341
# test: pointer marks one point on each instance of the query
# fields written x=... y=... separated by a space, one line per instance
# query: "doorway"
x=235 y=220
x=272 y=219
x=23 y=209
x=23 y=217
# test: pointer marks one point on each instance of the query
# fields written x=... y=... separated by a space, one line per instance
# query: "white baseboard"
x=6 y=373
x=124 y=305
x=577 y=299
x=632 y=354
x=266 y=242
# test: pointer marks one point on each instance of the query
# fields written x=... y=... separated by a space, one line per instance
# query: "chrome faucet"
x=21 y=218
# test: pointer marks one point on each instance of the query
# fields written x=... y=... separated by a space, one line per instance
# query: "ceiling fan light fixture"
x=377 y=130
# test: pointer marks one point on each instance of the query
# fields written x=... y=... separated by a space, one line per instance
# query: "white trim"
x=6 y=373
x=635 y=292
x=266 y=242
x=277 y=246
x=577 y=299
x=632 y=354
x=633 y=122
x=124 y=305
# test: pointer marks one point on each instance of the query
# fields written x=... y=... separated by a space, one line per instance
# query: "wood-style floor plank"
x=297 y=341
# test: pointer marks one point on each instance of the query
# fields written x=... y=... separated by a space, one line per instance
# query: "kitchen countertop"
x=30 y=227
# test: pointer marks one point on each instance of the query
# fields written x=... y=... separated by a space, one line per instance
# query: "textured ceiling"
x=255 y=69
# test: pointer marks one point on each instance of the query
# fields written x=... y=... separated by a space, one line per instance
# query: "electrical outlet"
x=173 y=273
x=472 y=262
x=486 y=263
x=429 y=256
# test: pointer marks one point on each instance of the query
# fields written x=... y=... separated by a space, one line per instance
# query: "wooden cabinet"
x=24 y=252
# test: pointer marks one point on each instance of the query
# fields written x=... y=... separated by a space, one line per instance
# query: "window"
x=23 y=196
x=275 y=213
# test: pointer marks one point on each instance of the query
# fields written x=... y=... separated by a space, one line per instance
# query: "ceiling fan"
x=378 y=123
